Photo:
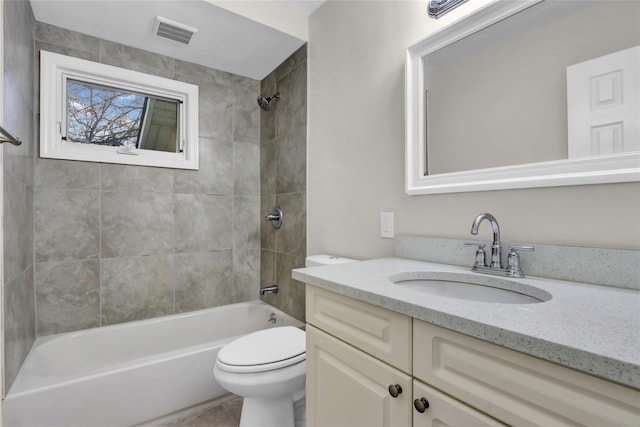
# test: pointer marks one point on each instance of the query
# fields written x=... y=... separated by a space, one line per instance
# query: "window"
x=96 y=112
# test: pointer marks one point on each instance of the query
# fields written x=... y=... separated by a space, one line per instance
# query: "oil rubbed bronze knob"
x=421 y=404
x=395 y=390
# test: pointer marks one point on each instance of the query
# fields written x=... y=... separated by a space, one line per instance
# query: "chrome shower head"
x=264 y=102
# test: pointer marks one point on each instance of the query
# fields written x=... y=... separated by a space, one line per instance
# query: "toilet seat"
x=263 y=351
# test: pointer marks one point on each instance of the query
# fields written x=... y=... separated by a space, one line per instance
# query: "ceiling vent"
x=173 y=30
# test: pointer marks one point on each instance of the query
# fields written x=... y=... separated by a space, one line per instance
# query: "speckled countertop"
x=594 y=329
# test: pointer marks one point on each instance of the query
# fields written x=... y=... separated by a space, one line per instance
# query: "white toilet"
x=267 y=368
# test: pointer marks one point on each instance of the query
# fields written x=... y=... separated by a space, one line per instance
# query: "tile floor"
x=223 y=414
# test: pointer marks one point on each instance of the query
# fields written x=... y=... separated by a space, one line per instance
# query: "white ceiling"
x=226 y=40
x=306 y=7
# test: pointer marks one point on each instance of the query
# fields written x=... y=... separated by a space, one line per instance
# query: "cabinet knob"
x=395 y=390
x=421 y=404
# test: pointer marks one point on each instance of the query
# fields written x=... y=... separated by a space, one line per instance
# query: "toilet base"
x=300 y=411
x=267 y=412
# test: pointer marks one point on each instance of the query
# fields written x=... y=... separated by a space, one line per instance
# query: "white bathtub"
x=126 y=374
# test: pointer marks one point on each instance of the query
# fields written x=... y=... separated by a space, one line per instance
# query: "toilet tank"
x=316 y=260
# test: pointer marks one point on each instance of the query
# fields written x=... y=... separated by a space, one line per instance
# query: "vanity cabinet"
x=358 y=355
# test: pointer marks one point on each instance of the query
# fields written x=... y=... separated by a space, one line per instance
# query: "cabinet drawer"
x=445 y=411
x=380 y=332
x=516 y=388
x=346 y=387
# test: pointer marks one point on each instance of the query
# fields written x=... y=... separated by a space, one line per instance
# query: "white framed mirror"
x=476 y=119
x=101 y=113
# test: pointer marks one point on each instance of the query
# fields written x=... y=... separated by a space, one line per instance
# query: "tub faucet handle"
x=275 y=217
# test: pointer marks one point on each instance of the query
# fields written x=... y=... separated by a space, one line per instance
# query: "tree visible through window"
x=109 y=116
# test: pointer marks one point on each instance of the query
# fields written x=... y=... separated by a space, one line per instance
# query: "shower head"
x=264 y=102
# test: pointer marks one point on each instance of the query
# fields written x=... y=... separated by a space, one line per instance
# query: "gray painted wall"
x=116 y=243
x=17 y=92
x=356 y=146
x=283 y=171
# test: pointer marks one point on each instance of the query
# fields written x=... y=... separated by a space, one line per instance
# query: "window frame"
x=56 y=69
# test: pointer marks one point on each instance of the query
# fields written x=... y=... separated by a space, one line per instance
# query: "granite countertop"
x=591 y=328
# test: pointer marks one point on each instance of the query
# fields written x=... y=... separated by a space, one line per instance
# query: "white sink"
x=471 y=286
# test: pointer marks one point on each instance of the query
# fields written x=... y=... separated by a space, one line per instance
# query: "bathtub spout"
x=269 y=290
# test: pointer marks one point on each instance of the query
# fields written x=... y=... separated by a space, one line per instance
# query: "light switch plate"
x=386 y=224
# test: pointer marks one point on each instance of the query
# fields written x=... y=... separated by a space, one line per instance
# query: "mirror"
x=100 y=113
x=496 y=100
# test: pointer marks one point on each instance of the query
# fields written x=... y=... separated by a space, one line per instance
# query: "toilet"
x=267 y=368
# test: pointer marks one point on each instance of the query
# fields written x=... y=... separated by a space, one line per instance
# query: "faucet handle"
x=478 y=244
x=516 y=248
x=513 y=260
x=481 y=259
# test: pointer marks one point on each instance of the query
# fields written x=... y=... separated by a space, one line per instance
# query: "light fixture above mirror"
x=500 y=155
x=437 y=8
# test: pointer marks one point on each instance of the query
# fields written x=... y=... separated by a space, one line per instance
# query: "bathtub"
x=127 y=374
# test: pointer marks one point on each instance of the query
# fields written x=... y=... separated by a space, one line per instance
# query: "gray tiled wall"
x=116 y=243
x=283 y=170
x=17 y=92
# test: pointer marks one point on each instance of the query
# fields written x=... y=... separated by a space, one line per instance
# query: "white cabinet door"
x=603 y=104
x=516 y=388
x=445 y=411
x=346 y=387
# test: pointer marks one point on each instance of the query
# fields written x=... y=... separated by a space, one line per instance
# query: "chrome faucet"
x=496 y=246
x=269 y=290
x=513 y=266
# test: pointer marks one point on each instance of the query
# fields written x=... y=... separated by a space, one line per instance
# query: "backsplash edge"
x=618 y=268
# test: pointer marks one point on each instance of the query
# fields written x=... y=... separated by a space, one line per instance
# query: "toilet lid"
x=264 y=350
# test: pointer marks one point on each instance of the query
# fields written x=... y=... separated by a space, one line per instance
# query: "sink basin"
x=470 y=286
